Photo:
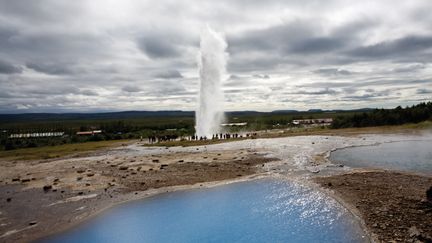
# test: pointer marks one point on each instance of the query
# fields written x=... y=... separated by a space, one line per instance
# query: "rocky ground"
x=41 y=197
x=393 y=205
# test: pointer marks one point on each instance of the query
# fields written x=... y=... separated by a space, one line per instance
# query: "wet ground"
x=42 y=197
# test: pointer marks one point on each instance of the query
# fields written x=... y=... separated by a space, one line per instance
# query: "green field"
x=50 y=152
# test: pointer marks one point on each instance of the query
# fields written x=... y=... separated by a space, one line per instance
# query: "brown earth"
x=393 y=205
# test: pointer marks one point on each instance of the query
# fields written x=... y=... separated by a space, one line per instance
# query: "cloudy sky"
x=81 y=55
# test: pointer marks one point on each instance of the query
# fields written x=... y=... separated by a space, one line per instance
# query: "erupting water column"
x=212 y=66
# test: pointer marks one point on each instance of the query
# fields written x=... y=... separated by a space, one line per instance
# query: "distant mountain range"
x=137 y=114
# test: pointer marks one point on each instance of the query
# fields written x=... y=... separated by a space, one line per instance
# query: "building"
x=319 y=121
x=88 y=133
x=36 y=135
x=235 y=124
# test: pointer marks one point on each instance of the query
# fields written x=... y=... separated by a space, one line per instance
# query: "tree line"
x=380 y=117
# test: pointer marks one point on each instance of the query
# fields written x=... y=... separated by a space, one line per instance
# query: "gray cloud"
x=410 y=68
x=51 y=68
x=261 y=76
x=424 y=91
x=8 y=68
x=317 y=45
x=131 y=88
x=168 y=74
x=89 y=92
x=158 y=48
x=282 y=54
x=325 y=91
x=402 y=46
x=332 y=71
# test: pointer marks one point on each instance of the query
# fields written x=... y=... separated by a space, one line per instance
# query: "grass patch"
x=50 y=152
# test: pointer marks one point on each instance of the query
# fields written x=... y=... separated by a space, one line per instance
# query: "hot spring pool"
x=413 y=156
x=265 y=210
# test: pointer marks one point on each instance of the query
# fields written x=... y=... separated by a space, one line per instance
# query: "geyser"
x=212 y=67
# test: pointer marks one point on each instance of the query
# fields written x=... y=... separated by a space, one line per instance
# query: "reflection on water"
x=256 y=211
x=405 y=155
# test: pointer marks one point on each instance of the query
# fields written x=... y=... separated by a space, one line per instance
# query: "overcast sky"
x=68 y=56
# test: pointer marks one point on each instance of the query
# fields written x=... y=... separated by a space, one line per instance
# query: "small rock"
x=80 y=193
x=8 y=199
x=180 y=161
x=80 y=171
x=155 y=161
x=163 y=166
x=46 y=188
x=329 y=184
x=16 y=179
x=413 y=231
x=90 y=174
x=25 y=180
x=79 y=178
x=123 y=167
x=32 y=222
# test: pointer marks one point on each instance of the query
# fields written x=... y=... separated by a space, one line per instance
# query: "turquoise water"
x=413 y=156
x=255 y=211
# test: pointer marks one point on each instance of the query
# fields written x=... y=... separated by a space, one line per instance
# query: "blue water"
x=256 y=211
x=413 y=156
